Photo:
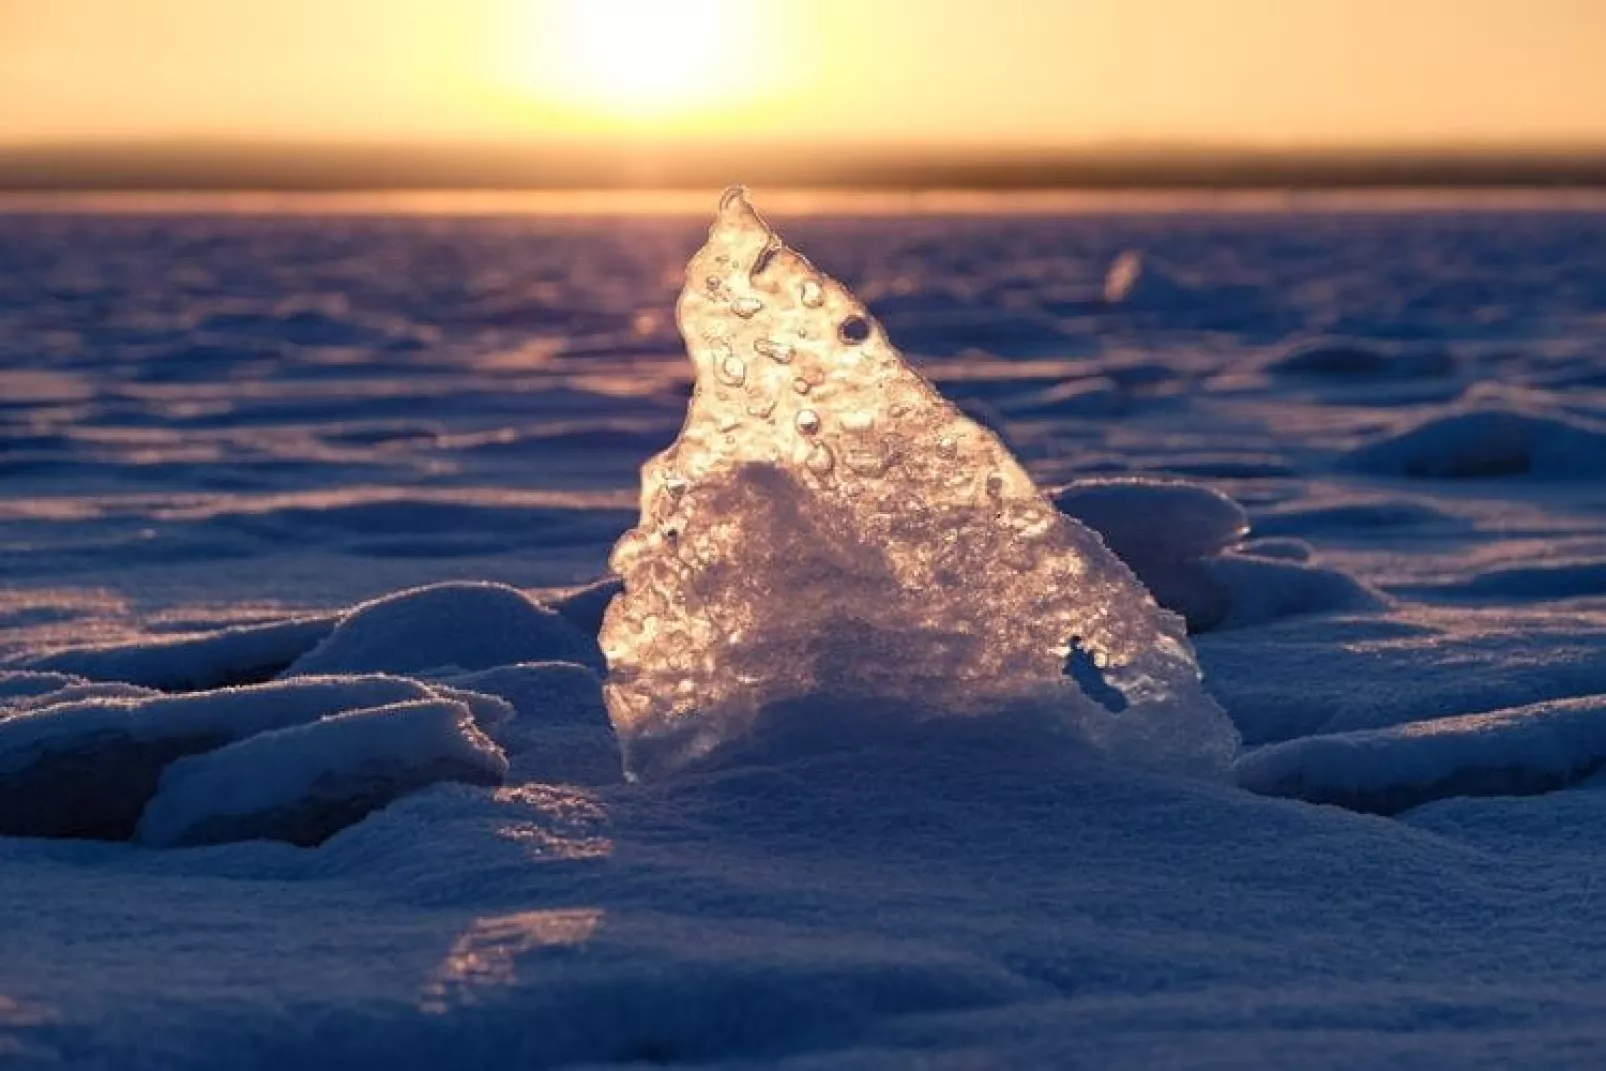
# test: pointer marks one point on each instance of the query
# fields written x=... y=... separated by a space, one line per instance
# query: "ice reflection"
x=486 y=955
x=562 y=824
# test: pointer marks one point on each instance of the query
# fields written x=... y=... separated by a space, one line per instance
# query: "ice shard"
x=827 y=524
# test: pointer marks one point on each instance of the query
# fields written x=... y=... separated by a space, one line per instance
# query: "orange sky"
x=1287 y=73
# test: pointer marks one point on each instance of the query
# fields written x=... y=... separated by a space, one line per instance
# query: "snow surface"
x=306 y=783
x=457 y=626
x=1519 y=752
x=221 y=434
x=87 y=766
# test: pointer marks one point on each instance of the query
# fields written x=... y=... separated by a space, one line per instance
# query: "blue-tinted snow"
x=220 y=435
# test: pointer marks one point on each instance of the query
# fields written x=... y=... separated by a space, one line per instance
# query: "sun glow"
x=646 y=63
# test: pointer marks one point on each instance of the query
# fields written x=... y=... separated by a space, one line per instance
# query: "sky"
x=1026 y=73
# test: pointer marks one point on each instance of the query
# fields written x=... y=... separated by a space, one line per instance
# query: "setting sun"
x=639 y=62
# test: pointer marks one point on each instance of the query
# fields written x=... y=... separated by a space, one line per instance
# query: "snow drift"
x=306 y=783
x=87 y=768
x=1521 y=751
x=1488 y=443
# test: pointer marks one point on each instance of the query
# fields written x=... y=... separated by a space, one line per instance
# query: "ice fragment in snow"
x=853 y=534
x=1123 y=276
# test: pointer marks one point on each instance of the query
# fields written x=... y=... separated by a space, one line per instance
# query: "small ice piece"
x=859 y=537
x=1145 y=519
x=305 y=784
x=1123 y=275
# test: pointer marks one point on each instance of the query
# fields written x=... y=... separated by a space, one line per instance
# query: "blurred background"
x=887 y=94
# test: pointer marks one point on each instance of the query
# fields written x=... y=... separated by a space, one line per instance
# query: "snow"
x=1256 y=589
x=86 y=767
x=1361 y=361
x=1148 y=520
x=1489 y=443
x=221 y=434
x=561 y=734
x=1517 y=752
x=241 y=655
x=305 y=783
x=1173 y=535
x=829 y=530
x=458 y=626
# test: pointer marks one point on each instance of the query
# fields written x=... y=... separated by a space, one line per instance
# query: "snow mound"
x=306 y=783
x=1176 y=536
x=456 y=625
x=247 y=654
x=87 y=768
x=1516 y=752
x=1164 y=530
x=562 y=734
x=827 y=525
x=1487 y=443
x=1345 y=359
x=1259 y=588
x=1147 y=520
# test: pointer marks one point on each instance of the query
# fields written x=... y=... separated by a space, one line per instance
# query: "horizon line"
x=247 y=165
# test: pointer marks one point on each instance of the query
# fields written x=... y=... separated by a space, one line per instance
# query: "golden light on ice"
x=829 y=529
x=640 y=62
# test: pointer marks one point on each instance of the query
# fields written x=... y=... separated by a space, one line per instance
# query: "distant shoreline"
x=797 y=202
x=261 y=168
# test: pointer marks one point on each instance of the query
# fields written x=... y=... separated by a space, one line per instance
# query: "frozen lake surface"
x=220 y=430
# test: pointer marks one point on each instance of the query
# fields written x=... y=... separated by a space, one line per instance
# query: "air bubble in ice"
x=854 y=329
x=820 y=459
x=779 y=352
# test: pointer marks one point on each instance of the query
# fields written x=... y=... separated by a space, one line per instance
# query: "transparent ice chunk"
x=828 y=524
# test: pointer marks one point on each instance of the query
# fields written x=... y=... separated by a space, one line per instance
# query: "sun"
x=641 y=62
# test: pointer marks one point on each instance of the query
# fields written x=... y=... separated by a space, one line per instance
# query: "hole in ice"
x=854 y=329
x=765 y=258
x=1086 y=668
